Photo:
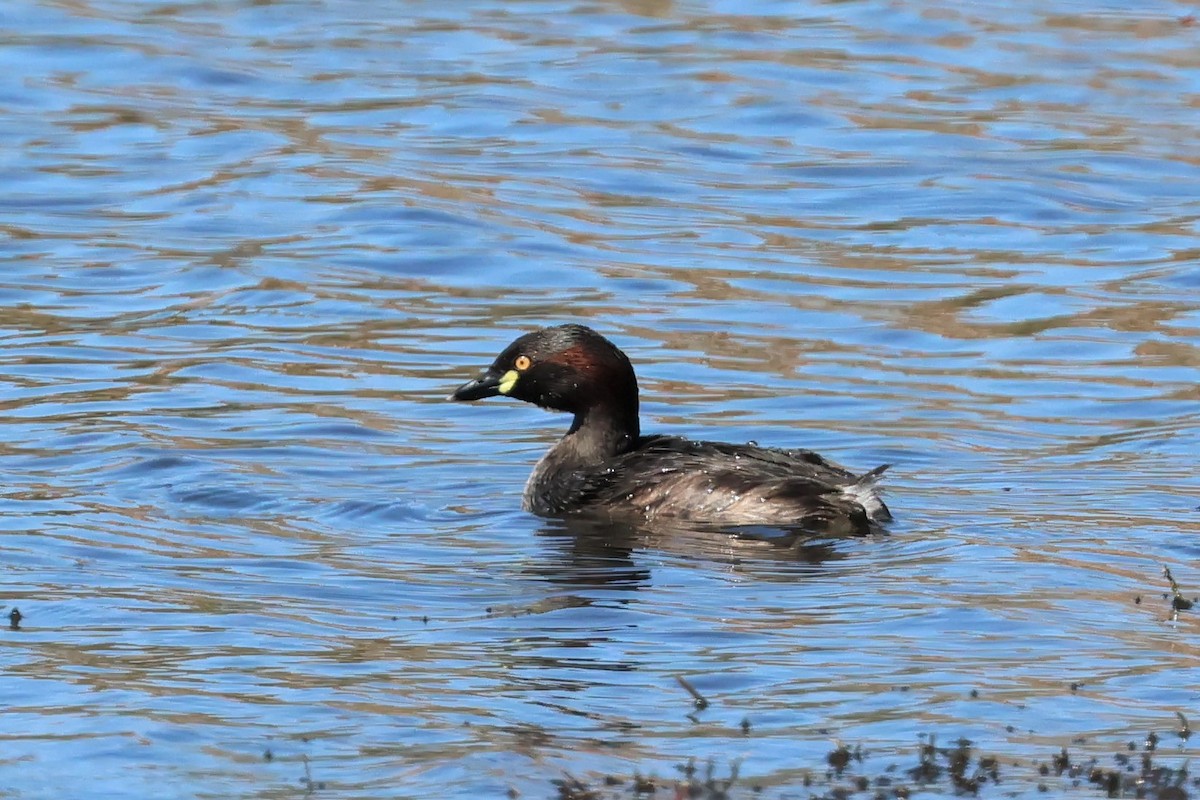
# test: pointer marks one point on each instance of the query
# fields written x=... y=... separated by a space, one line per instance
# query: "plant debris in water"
x=1178 y=601
x=956 y=771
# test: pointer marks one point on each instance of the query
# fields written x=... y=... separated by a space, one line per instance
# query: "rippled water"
x=249 y=246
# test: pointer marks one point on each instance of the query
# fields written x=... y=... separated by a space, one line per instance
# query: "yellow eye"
x=522 y=363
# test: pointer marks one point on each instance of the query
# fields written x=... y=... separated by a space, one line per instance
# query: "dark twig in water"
x=1178 y=601
x=1185 y=730
x=310 y=785
x=699 y=699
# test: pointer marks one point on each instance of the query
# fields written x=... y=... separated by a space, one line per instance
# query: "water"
x=249 y=247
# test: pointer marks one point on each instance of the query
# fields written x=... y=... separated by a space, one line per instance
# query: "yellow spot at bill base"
x=508 y=381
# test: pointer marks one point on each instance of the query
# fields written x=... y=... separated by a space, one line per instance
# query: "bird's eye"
x=522 y=363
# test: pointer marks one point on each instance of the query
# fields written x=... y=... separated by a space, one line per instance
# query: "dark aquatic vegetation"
x=1178 y=601
x=939 y=771
x=604 y=465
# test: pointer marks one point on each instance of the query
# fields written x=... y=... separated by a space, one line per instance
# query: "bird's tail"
x=866 y=491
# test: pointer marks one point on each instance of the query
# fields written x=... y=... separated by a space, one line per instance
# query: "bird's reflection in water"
x=601 y=565
x=591 y=553
x=603 y=553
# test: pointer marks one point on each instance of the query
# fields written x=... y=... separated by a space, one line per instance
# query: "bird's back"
x=667 y=477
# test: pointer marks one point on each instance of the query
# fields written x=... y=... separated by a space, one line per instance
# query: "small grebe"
x=605 y=466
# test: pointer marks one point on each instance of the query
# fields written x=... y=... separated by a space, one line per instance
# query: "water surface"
x=249 y=247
